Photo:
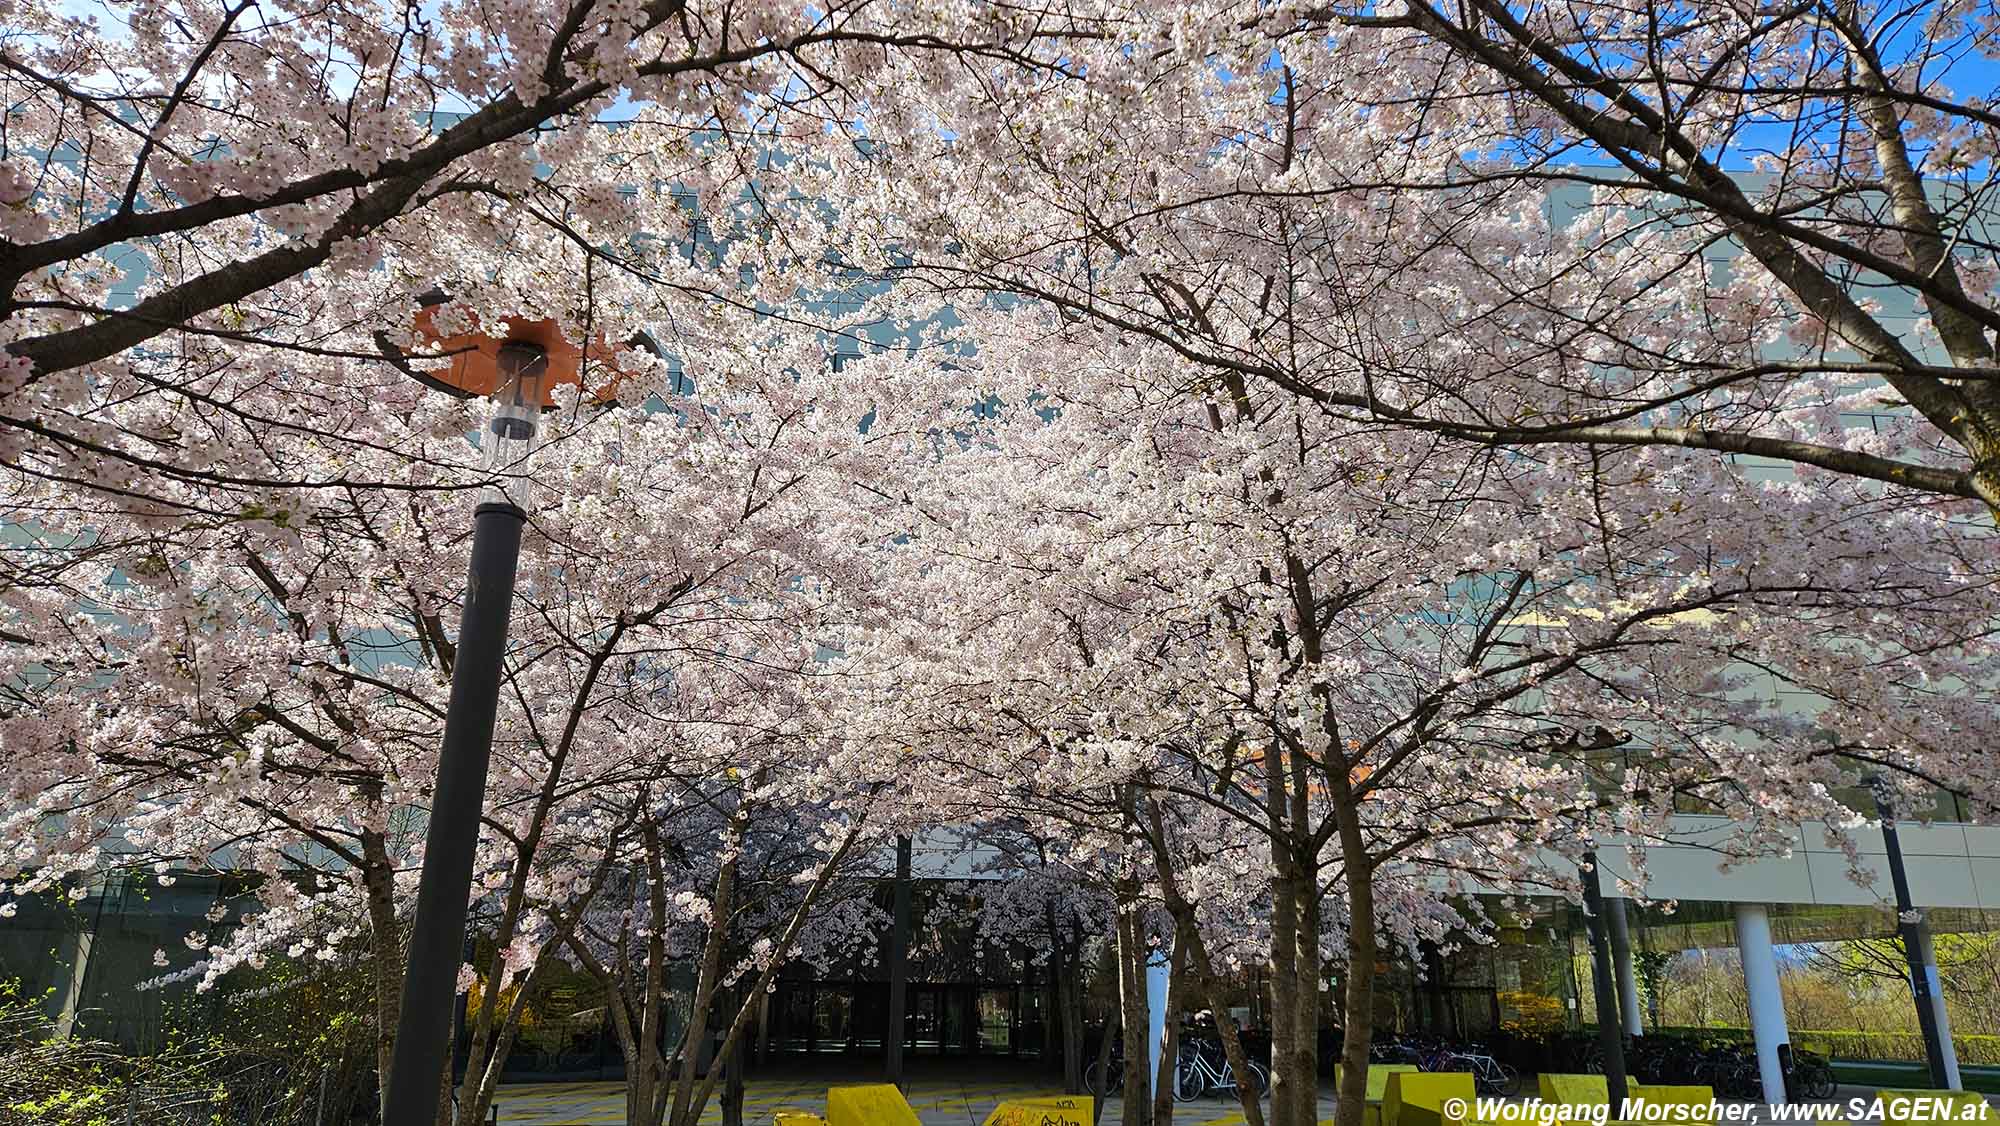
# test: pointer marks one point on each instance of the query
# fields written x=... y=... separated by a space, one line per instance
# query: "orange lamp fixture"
x=477 y=369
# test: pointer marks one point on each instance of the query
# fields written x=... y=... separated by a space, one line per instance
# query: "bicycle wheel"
x=1744 y=1081
x=1507 y=1080
x=1819 y=1081
x=1093 y=1079
x=1257 y=1081
x=1189 y=1083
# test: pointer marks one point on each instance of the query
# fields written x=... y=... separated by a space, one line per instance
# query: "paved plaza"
x=940 y=1100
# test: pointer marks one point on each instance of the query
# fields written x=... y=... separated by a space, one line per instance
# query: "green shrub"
x=293 y=1076
x=1852 y=1044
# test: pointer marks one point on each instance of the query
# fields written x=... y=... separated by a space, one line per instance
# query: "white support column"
x=1621 y=960
x=1157 y=968
x=1929 y=951
x=80 y=947
x=1767 y=1004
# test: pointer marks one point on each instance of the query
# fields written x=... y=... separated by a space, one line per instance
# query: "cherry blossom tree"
x=1396 y=662
x=1840 y=149
x=1502 y=222
x=264 y=687
x=194 y=196
x=739 y=909
x=1337 y=206
x=1275 y=495
x=1047 y=894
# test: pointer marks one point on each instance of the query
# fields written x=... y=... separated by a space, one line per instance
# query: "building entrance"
x=941 y=1019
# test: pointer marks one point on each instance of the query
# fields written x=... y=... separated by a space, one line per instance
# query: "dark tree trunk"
x=732 y=1087
x=1362 y=950
x=898 y=958
x=1104 y=1052
x=1133 y=1017
x=1163 y=1083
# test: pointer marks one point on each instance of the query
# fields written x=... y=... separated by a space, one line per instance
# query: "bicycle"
x=1394 y=1051
x=1489 y=1076
x=1094 y=1078
x=1811 y=1077
x=1200 y=1070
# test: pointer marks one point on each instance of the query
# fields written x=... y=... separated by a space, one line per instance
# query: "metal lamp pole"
x=437 y=933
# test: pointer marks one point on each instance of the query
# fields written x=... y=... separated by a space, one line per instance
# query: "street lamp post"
x=518 y=371
x=437 y=933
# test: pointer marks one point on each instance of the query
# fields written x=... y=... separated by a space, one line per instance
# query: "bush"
x=202 y=1081
x=1853 y=1044
x=1850 y=1045
x=1538 y=1017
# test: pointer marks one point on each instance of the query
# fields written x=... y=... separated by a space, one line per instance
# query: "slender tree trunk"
x=1281 y=1023
x=1208 y=985
x=659 y=1073
x=638 y=1077
x=1104 y=1053
x=488 y=1052
x=732 y=1089
x=618 y=993
x=1285 y=985
x=720 y=912
x=385 y=955
x=1132 y=1015
x=1306 y=962
x=1163 y=1083
x=780 y=951
x=638 y=1089
x=653 y=992
x=448 y=1108
x=1304 y=1060
x=763 y=1030
x=1214 y=994
x=1362 y=947
x=1065 y=986
x=638 y=1097
x=634 y=994
x=897 y=962
x=1073 y=1000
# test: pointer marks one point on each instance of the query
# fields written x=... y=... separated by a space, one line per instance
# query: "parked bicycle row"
x=1430 y=1053
x=1729 y=1066
x=1201 y=1069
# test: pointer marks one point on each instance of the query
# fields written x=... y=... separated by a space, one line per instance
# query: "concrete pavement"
x=944 y=1098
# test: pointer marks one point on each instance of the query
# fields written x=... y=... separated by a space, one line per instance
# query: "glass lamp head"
x=515 y=427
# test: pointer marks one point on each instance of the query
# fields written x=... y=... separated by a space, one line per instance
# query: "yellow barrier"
x=869 y=1104
x=1417 y=1098
x=1895 y=1101
x=1378 y=1077
x=1054 y=1110
x=1699 y=1100
x=1378 y=1087
x=1573 y=1090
